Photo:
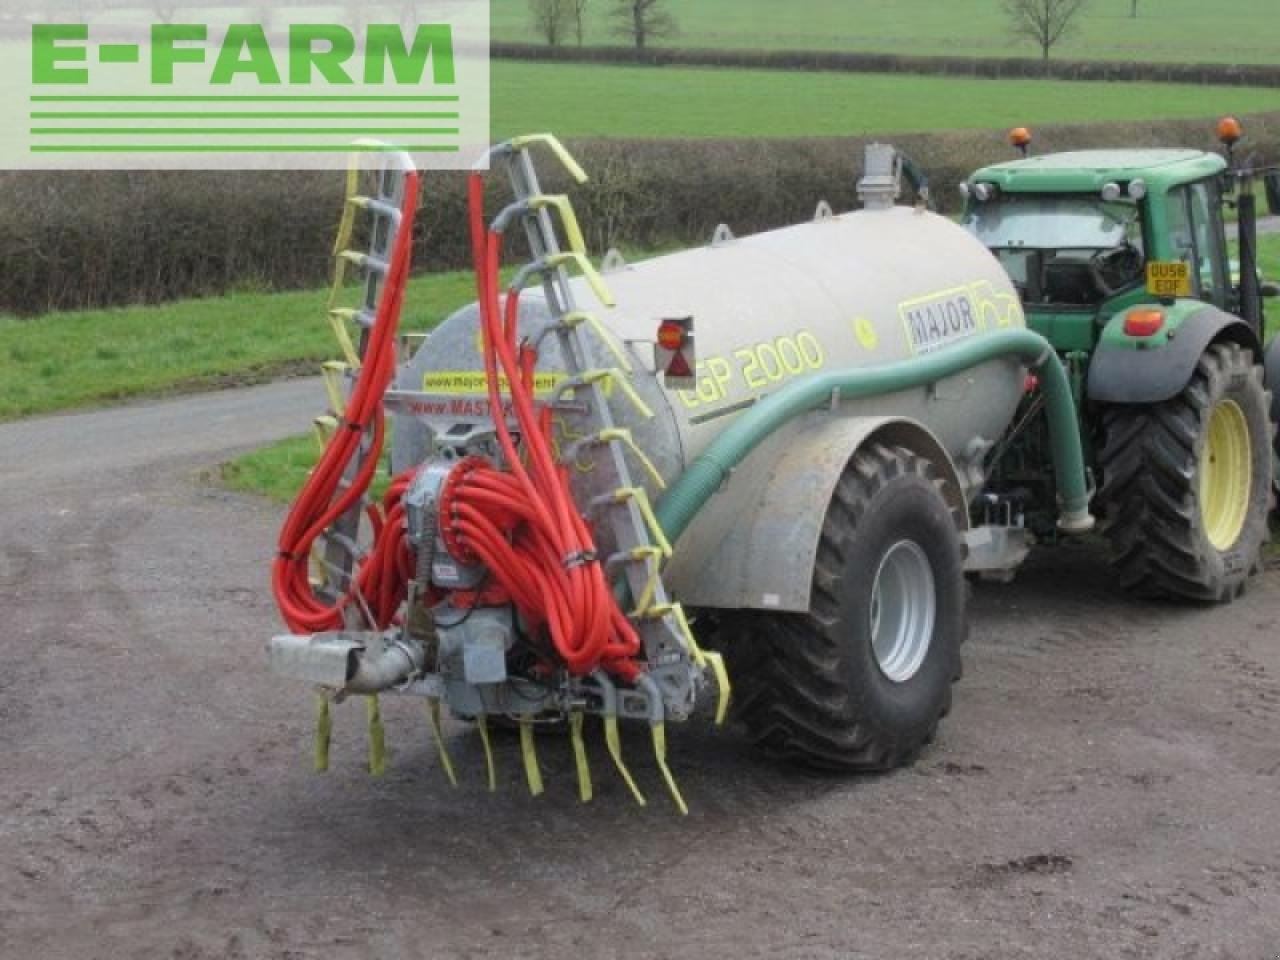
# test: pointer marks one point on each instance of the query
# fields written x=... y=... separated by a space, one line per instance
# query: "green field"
x=64 y=360
x=587 y=100
x=1242 y=31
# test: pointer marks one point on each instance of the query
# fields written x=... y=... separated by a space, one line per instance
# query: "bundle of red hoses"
x=382 y=575
x=521 y=522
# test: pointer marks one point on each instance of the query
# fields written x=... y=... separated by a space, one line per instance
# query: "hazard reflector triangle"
x=679 y=366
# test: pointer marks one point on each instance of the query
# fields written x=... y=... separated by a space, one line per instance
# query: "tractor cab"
x=1123 y=264
x=1077 y=232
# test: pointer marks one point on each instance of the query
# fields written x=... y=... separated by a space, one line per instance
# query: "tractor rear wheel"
x=1186 y=484
x=860 y=681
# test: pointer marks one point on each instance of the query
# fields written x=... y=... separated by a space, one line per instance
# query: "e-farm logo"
x=296 y=88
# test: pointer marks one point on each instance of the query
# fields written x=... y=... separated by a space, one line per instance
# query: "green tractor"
x=1123 y=263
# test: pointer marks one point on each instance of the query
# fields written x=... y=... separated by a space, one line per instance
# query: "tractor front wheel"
x=860 y=681
x=1186 y=484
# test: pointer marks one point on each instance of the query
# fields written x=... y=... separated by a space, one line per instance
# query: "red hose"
x=522 y=522
x=321 y=501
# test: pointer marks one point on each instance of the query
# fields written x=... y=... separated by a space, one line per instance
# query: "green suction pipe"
x=705 y=474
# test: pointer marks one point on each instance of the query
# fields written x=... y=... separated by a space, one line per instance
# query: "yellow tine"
x=333 y=373
x=317 y=574
x=322 y=428
x=530 y=754
x=646 y=511
x=580 y=316
x=589 y=273
x=699 y=657
x=614 y=743
x=353 y=173
x=580 y=757
x=344 y=339
x=324 y=733
x=617 y=377
x=722 y=681
x=556 y=147
x=653 y=573
x=706 y=658
x=563 y=206
x=377 y=738
x=623 y=436
x=660 y=753
x=446 y=762
x=348 y=222
x=482 y=724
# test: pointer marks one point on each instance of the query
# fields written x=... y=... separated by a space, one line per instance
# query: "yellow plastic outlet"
x=437 y=733
x=568 y=218
x=551 y=142
x=377 y=738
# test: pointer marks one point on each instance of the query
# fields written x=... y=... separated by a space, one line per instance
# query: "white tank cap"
x=880 y=185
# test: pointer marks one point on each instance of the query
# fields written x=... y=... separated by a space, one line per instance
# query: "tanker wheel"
x=1187 y=483
x=860 y=681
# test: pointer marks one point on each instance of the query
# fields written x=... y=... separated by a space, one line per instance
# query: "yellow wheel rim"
x=1226 y=475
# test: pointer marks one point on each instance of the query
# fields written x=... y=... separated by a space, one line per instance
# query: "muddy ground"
x=1108 y=785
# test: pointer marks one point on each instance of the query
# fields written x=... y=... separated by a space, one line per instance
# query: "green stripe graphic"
x=237 y=148
x=231 y=115
x=243 y=99
x=236 y=131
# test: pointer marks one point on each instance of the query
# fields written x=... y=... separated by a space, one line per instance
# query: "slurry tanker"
x=753 y=475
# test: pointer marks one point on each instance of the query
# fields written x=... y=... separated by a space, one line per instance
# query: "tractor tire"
x=861 y=680
x=1186 y=484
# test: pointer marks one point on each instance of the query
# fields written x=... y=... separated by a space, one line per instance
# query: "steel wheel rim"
x=904 y=608
x=1226 y=475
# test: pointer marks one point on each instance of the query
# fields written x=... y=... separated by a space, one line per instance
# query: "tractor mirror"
x=1272 y=183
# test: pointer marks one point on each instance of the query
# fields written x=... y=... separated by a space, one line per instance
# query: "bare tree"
x=1043 y=21
x=643 y=20
x=579 y=11
x=551 y=18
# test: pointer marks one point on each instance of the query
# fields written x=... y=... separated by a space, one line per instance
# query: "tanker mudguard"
x=754 y=544
x=1122 y=374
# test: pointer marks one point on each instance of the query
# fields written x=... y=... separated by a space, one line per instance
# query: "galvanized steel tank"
x=859 y=289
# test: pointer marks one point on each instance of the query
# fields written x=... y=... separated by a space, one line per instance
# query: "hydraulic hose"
x=380 y=578
x=520 y=520
x=704 y=476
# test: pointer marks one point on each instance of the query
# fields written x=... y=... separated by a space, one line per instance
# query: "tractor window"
x=1182 y=237
x=1211 y=262
x=1198 y=237
x=1054 y=222
x=1062 y=249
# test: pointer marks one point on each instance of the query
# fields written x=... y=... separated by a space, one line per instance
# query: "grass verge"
x=279 y=470
x=60 y=361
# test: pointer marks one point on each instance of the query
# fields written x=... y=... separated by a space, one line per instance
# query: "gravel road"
x=1108 y=785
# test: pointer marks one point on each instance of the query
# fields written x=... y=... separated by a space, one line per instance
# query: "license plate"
x=1169 y=279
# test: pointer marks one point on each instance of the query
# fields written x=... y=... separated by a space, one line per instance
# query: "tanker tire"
x=1150 y=474
x=808 y=686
